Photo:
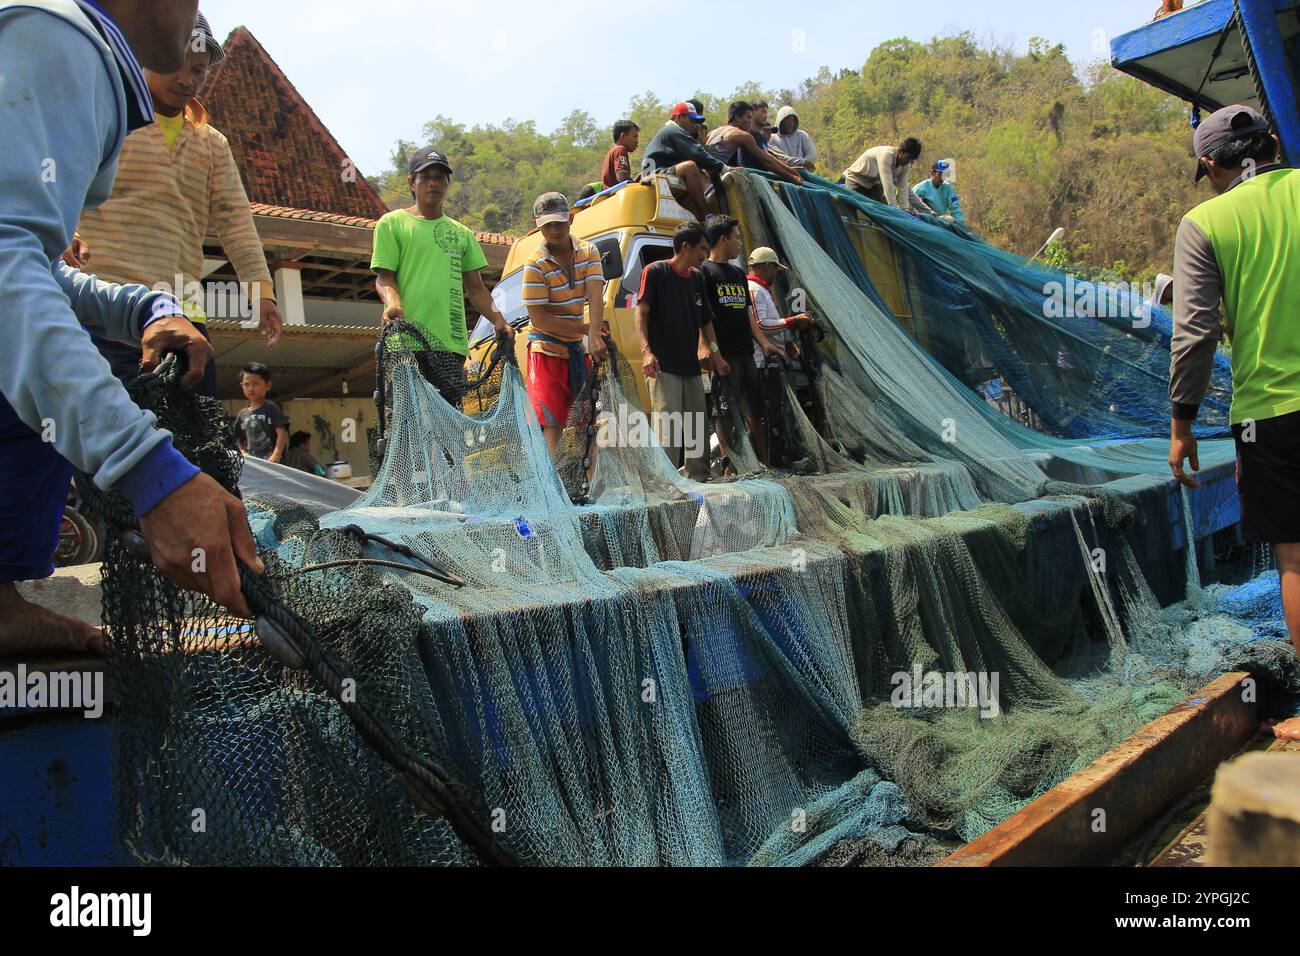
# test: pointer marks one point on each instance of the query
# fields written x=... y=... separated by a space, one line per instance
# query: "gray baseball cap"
x=1223 y=127
x=551 y=207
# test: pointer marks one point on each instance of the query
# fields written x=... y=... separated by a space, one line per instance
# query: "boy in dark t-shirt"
x=262 y=429
x=735 y=324
x=675 y=325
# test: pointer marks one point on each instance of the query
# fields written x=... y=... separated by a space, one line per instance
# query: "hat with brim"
x=550 y=208
x=1223 y=127
x=427 y=159
x=765 y=256
x=686 y=109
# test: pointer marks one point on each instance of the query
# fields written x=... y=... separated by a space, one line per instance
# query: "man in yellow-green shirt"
x=1240 y=248
x=426 y=265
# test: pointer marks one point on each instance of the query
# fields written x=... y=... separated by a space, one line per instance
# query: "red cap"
x=686 y=109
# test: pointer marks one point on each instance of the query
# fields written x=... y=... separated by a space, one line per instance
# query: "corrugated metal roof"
x=305 y=356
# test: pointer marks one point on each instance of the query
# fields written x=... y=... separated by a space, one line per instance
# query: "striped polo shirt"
x=564 y=291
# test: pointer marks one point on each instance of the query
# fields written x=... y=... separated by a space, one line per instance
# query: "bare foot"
x=27 y=629
x=1288 y=729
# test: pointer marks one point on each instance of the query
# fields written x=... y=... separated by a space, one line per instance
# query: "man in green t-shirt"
x=426 y=265
x=1239 y=249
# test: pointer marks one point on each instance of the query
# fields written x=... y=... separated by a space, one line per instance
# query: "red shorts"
x=553 y=384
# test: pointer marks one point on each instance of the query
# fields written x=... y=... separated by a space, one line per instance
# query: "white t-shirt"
x=769 y=319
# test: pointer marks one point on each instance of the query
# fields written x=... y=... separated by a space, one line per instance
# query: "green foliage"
x=1038 y=142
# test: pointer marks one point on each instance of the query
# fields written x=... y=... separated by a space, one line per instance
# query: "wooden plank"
x=1092 y=816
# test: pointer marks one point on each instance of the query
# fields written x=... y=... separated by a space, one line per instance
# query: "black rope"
x=378 y=563
x=363 y=537
x=288 y=638
x=291 y=640
x=1233 y=21
x=1253 y=65
x=584 y=494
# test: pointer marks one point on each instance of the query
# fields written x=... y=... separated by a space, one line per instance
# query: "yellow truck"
x=633 y=226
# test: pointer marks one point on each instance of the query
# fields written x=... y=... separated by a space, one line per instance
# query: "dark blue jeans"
x=34 y=481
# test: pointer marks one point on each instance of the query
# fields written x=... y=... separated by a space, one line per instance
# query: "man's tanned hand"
x=1183 y=448
x=269 y=322
x=176 y=334
x=194 y=536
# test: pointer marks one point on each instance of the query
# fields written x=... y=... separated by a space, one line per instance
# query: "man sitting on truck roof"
x=618 y=161
x=561 y=279
x=674 y=324
x=735 y=144
x=940 y=195
x=425 y=265
x=791 y=144
x=881 y=174
x=675 y=150
x=1239 y=248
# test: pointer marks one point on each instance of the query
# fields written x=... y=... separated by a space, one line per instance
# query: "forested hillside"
x=1039 y=143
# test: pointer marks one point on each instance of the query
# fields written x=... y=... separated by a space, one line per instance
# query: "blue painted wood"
x=56 y=794
x=1169 y=33
x=1206 y=21
x=1275 y=73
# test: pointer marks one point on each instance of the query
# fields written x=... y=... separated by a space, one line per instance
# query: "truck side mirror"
x=611 y=258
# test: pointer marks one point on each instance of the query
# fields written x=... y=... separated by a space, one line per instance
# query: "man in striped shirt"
x=175 y=179
x=561 y=279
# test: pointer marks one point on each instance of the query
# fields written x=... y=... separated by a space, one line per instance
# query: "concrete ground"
x=75 y=592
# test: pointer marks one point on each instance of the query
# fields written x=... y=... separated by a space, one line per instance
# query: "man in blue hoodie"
x=71 y=88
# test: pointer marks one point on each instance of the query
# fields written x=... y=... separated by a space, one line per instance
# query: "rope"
x=291 y=640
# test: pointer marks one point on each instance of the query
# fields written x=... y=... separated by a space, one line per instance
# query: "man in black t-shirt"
x=735 y=324
x=675 y=325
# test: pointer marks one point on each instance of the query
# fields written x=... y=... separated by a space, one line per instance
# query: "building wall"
x=324 y=420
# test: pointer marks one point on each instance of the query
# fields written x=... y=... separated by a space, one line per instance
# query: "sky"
x=376 y=71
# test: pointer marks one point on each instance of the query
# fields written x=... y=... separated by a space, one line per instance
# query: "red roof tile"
x=287 y=156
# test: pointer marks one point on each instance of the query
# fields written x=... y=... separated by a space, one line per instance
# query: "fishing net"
x=593 y=660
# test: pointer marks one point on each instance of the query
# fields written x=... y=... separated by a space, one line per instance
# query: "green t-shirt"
x=429 y=257
x=1250 y=228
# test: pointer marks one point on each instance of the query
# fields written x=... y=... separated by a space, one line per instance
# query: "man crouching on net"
x=69 y=67
x=1239 y=248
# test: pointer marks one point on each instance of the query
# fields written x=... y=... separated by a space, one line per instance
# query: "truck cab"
x=632 y=225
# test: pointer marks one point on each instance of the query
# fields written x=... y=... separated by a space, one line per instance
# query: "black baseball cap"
x=1223 y=127
x=424 y=158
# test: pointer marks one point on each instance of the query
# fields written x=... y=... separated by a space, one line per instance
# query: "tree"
x=1037 y=145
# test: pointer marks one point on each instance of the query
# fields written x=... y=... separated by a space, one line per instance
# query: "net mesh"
x=637 y=669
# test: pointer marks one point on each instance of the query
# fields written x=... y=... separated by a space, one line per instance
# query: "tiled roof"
x=310 y=215
x=286 y=155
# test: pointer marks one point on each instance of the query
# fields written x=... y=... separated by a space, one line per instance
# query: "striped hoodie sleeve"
x=233 y=222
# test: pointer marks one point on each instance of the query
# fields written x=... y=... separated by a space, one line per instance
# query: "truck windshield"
x=509 y=299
